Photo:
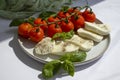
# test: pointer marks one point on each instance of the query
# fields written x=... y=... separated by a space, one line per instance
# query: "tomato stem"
x=37 y=30
x=91 y=10
x=56 y=25
x=66 y=20
x=88 y=7
x=76 y=17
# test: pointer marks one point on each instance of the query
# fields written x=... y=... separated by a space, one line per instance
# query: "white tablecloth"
x=16 y=65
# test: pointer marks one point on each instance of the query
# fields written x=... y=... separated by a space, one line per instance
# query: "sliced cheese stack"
x=46 y=46
x=84 y=44
x=101 y=29
x=94 y=31
x=89 y=35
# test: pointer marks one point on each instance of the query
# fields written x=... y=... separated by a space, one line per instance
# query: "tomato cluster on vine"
x=72 y=19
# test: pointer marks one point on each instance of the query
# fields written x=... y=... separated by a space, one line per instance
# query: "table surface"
x=16 y=65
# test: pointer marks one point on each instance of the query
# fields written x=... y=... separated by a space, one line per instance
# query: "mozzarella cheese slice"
x=69 y=47
x=61 y=47
x=89 y=35
x=58 y=47
x=101 y=29
x=83 y=44
x=44 y=47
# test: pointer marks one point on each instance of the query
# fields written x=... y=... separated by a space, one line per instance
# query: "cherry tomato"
x=39 y=21
x=23 y=29
x=36 y=34
x=53 y=29
x=62 y=14
x=53 y=19
x=89 y=16
x=67 y=26
x=74 y=10
x=78 y=21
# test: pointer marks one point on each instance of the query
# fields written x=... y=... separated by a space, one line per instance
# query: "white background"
x=16 y=65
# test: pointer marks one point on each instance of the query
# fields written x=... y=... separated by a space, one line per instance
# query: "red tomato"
x=53 y=29
x=39 y=21
x=67 y=26
x=74 y=10
x=78 y=21
x=89 y=16
x=53 y=19
x=36 y=34
x=62 y=14
x=23 y=29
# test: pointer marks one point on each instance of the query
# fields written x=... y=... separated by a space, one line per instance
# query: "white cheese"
x=89 y=35
x=69 y=47
x=83 y=44
x=44 y=47
x=61 y=47
x=58 y=47
x=101 y=29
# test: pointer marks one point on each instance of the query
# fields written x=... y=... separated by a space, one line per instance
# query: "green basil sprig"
x=65 y=62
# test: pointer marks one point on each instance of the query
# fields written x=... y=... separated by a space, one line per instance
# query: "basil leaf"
x=78 y=56
x=69 y=67
x=16 y=22
x=57 y=65
x=75 y=56
x=30 y=20
x=46 y=14
x=69 y=34
x=66 y=56
x=51 y=68
x=64 y=35
x=47 y=73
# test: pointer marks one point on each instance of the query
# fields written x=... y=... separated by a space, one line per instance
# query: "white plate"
x=96 y=52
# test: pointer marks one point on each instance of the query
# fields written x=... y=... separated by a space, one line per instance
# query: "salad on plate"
x=69 y=33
